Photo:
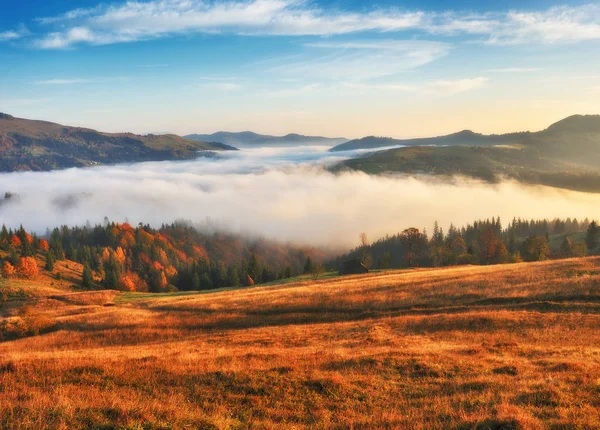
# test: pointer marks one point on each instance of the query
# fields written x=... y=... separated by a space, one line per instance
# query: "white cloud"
x=137 y=20
x=555 y=25
x=8 y=35
x=73 y=81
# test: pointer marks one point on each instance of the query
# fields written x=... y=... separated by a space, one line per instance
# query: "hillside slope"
x=511 y=347
x=250 y=139
x=569 y=132
x=566 y=155
x=40 y=145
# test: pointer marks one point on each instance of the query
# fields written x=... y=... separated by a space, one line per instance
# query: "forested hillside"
x=565 y=155
x=40 y=145
x=174 y=257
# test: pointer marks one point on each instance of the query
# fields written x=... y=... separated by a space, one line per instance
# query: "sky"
x=340 y=68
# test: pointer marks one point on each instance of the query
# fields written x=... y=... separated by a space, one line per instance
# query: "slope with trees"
x=40 y=145
x=482 y=242
x=565 y=155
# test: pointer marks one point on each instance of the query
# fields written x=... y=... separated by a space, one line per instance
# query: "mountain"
x=565 y=155
x=574 y=124
x=39 y=145
x=465 y=137
x=247 y=139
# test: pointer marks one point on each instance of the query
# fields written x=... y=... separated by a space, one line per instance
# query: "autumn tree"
x=27 y=267
x=8 y=269
x=488 y=246
x=412 y=239
x=44 y=245
x=535 y=248
x=15 y=242
x=500 y=253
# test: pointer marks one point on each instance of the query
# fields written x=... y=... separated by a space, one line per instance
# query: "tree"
x=488 y=246
x=566 y=248
x=592 y=238
x=86 y=277
x=15 y=241
x=8 y=269
x=535 y=248
x=49 y=262
x=308 y=266
x=365 y=255
x=254 y=269
x=458 y=246
x=412 y=239
x=44 y=245
x=317 y=270
x=500 y=253
x=27 y=267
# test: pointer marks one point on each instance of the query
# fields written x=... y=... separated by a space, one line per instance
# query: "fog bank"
x=281 y=193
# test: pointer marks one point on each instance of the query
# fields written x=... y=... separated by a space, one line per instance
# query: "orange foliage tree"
x=131 y=281
x=44 y=245
x=15 y=241
x=8 y=269
x=27 y=267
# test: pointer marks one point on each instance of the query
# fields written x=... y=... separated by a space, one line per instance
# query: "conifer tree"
x=592 y=238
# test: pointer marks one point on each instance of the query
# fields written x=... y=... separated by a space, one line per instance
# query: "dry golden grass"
x=514 y=346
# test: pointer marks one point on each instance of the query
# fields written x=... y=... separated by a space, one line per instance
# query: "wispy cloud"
x=292 y=92
x=515 y=70
x=19 y=102
x=137 y=20
x=13 y=34
x=223 y=86
x=360 y=60
x=555 y=25
x=73 y=81
x=437 y=87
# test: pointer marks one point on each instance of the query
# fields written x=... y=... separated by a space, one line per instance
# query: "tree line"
x=173 y=257
x=481 y=242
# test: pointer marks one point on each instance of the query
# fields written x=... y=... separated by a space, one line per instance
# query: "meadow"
x=473 y=347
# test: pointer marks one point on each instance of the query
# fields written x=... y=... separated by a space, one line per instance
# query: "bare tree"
x=364 y=246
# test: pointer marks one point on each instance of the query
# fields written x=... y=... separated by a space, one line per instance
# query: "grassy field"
x=494 y=347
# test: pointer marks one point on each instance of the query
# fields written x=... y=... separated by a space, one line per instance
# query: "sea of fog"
x=281 y=193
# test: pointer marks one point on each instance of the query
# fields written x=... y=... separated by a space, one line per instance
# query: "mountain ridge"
x=564 y=155
x=570 y=124
x=250 y=139
x=36 y=145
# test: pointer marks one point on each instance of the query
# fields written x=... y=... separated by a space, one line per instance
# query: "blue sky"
x=338 y=68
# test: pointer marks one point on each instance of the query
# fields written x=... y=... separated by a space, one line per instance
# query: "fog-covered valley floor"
x=281 y=193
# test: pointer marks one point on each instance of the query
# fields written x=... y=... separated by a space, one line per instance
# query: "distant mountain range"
x=246 y=139
x=565 y=155
x=573 y=124
x=465 y=137
x=40 y=145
